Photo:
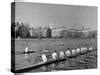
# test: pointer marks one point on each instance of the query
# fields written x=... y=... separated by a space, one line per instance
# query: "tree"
x=92 y=34
x=49 y=33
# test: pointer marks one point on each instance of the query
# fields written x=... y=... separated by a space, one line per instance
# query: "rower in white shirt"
x=82 y=50
x=78 y=50
x=54 y=55
x=85 y=48
x=68 y=52
x=26 y=49
x=61 y=54
x=44 y=58
x=61 y=43
x=73 y=51
x=90 y=48
x=44 y=50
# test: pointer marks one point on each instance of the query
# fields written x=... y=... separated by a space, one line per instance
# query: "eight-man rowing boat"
x=30 y=67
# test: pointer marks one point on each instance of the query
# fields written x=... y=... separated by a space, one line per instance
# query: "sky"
x=69 y=16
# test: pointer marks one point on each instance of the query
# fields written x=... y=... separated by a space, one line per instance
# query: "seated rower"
x=44 y=58
x=26 y=49
x=78 y=50
x=44 y=50
x=73 y=52
x=82 y=49
x=61 y=44
x=68 y=52
x=90 y=48
x=85 y=49
x=61 y=54
x=54 y=55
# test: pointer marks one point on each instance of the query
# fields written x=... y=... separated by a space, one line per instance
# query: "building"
x=56 y=31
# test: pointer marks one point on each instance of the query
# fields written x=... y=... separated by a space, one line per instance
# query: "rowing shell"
x=30 y=67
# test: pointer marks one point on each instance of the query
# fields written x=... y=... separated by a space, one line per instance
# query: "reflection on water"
x=29 y=58
x=24 y=60
x=50 y=67
x=26 y=56
x=44 y=68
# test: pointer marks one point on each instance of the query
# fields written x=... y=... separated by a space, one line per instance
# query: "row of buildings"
x=57 y=32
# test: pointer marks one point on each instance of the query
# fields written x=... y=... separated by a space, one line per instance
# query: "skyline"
x=70 y=16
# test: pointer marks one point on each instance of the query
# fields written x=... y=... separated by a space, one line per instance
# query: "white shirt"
x=68 y=53
x=82 y=49
x=85 y=48
x=26 y=49
x=44 y=50
x=90 y=48
x=61 y=54
x=78 y=50
x=61 y=43
x=54 y=56
x=44 y=58
x=73 y=51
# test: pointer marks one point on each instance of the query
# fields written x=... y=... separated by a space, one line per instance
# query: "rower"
x=44 y=50
x=44 y=58
x=82 y=49
x=61 y=54
x=61 y=43
x=78 y=50
x=27 y=49
x=68 y=52
x=85 y=49
x=73 y=52
x=90 y=48
x=54 y=55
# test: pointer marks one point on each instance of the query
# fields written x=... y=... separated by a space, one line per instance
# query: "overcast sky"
x=70 y=16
